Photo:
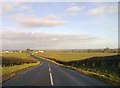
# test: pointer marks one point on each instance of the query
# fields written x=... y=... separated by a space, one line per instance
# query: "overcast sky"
x=59 y=25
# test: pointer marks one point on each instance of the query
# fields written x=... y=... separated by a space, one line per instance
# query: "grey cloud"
x=31 y=21
x=22 y=40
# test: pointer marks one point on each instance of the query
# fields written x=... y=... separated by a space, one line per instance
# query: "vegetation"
x=18 y=58
x=107 y=67
x=72 y=55
x=11 y=71
x=14 y=62
x=104 y=65
x=16 y=54
x=10 y=61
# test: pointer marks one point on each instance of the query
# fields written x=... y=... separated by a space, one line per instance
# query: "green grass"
x=17 y=55
x=11 y=71
x=70 y=56
x=13 y=63
x=108 y=73
x=18 y=58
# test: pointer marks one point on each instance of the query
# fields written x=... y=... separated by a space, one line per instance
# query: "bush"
x=10 y=61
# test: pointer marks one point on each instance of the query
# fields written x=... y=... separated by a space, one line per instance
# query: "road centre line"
x=51 y=78
x=49 y=69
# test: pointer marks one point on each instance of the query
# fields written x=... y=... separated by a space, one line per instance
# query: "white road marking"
x=49 y=69
x=48 y=65
x=51 y=78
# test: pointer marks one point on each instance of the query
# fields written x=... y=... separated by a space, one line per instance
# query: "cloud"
x=113 y=9
x=23 y=40
x=101 y=10
x=9 y=7
x=31 y=21
x=25 y=8
x=74 y=10
x=97 y=11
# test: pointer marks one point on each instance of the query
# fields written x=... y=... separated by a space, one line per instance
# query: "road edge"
x=16 y=73
x=92 y=74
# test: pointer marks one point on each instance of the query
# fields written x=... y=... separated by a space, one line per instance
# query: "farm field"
x=70 y=56
x=14 y=62
x=18 y=58
x=103 y=65
x=16 y=54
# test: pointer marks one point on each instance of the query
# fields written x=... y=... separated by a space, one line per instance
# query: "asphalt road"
x=49 y=74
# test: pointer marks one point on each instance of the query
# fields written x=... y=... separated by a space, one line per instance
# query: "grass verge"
x=113 y=79
x=11 y=71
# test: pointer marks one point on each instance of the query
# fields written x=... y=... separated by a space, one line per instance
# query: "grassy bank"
x=11 y=71
x=14 y=63
x=109 y=74
x=17 y=58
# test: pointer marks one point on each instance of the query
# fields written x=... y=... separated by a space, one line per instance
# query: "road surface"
x=49 y=74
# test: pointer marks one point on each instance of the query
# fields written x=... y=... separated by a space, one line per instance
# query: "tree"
x=107 y=49
x=28 y=50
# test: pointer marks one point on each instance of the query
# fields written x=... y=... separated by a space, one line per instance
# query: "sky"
x=59 y=25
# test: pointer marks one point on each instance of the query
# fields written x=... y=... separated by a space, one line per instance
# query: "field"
x=70 y=56
x=12 y=63
x=102 y=65
x=18 y=58
x=107 y=67
x=16 y=54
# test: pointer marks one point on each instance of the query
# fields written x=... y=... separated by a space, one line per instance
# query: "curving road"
x=49 y=74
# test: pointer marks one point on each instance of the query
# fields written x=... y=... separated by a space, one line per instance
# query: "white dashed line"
x=49 y=70
x=51 y=78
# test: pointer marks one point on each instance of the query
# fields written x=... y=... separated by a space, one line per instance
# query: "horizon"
x=61 y=49
x=59 y=25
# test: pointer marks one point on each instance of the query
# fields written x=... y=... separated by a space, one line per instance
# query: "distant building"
x=41 y=51
x=7 y=51
x=36 y=52
x=20 y=51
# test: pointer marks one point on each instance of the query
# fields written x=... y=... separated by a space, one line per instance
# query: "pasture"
x=18 y=58
x=103 y=65
x=71 y=56
x=12 y=63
